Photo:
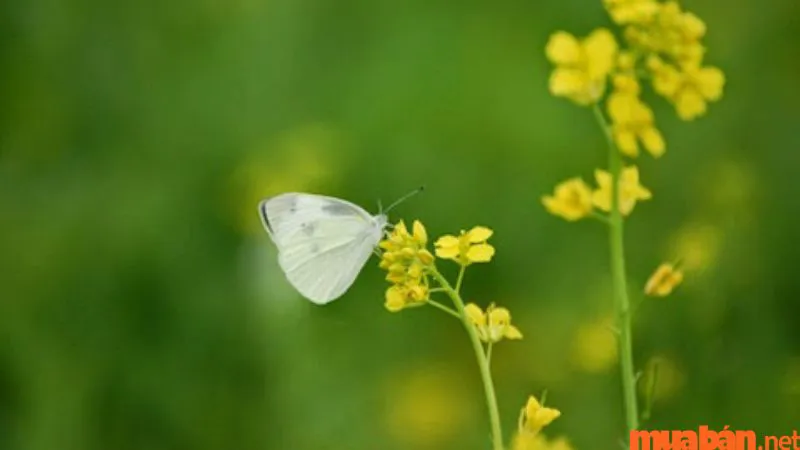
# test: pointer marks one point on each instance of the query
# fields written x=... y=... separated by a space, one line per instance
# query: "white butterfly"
x=323 y=242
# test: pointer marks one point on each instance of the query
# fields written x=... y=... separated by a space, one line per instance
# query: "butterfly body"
x=323 y=242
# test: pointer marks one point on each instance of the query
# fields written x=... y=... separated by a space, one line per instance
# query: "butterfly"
x=323 y=242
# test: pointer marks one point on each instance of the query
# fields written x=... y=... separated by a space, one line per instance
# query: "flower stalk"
x=618 y=278
x=480 y=355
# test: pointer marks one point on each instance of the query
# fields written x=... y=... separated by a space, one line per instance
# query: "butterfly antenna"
x=404 y=198
x=380 y=207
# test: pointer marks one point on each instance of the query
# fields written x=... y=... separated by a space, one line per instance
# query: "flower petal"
x=513 y=332
x=395 y=299
x=499 y=317
x=601 y=198
x=630 y=176
x=447 y=240
x=626 y=141
x=622 y=108
x=566 y=82
x=642 y=193
x=563 y=48
x=710 y=81
x=447 y=252
x=601 y=50
x=480 y=253
x=479 y=234
x=693 y=27
x=420 y=235
x=425 y=256
x=690 y=104
x=475 y=314
x=400 y=229
x=603 y=178
x=653 y=141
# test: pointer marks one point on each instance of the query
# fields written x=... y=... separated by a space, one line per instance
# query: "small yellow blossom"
x=402 y=296
x=534 y=416
x=572 y=200
x=527 y=441
x=663 y=281
x=689 y=88
x=406 y=260
x=581 y=66
x=469 y=247
x=630 y=191
x=672 y=32
x=631 y=11
x=632 y=120
x=493 y=325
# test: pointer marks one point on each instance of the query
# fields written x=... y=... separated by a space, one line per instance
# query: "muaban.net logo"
x=705 y=439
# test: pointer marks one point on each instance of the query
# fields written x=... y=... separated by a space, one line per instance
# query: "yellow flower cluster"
x=466 y=248
x=661 y=42
x=406 y=260
x=493 y=325
x=582 y=67
x=663 y=281
x=688 y=86
x=573 y=199
x=671 y=41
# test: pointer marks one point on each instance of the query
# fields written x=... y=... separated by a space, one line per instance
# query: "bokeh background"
x=141 y=306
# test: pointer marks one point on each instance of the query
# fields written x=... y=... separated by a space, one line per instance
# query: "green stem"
x=440 y=306
x=618 y=279
x=480 y=355
x=460 y=279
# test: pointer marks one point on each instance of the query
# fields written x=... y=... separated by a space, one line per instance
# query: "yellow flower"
x=630 y=191
x=400 y=296
x=469 y=247
x=632 y=120
x=527 y=441
x=631 y=11
x=492 y=326
x=671 y=32
x=581 y=66
x=689 y=88
x=406 y=261
x=663 y=281
x=572 y=200
x=534 y=416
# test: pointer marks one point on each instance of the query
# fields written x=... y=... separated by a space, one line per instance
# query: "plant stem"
x=444 y=308
x=460 y=279
x=480 y=355
x=618 y=279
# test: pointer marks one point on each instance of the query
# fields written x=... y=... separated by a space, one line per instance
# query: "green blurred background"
x=141 y=306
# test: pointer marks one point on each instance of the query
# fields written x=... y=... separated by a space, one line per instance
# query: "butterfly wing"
x=323 y=242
